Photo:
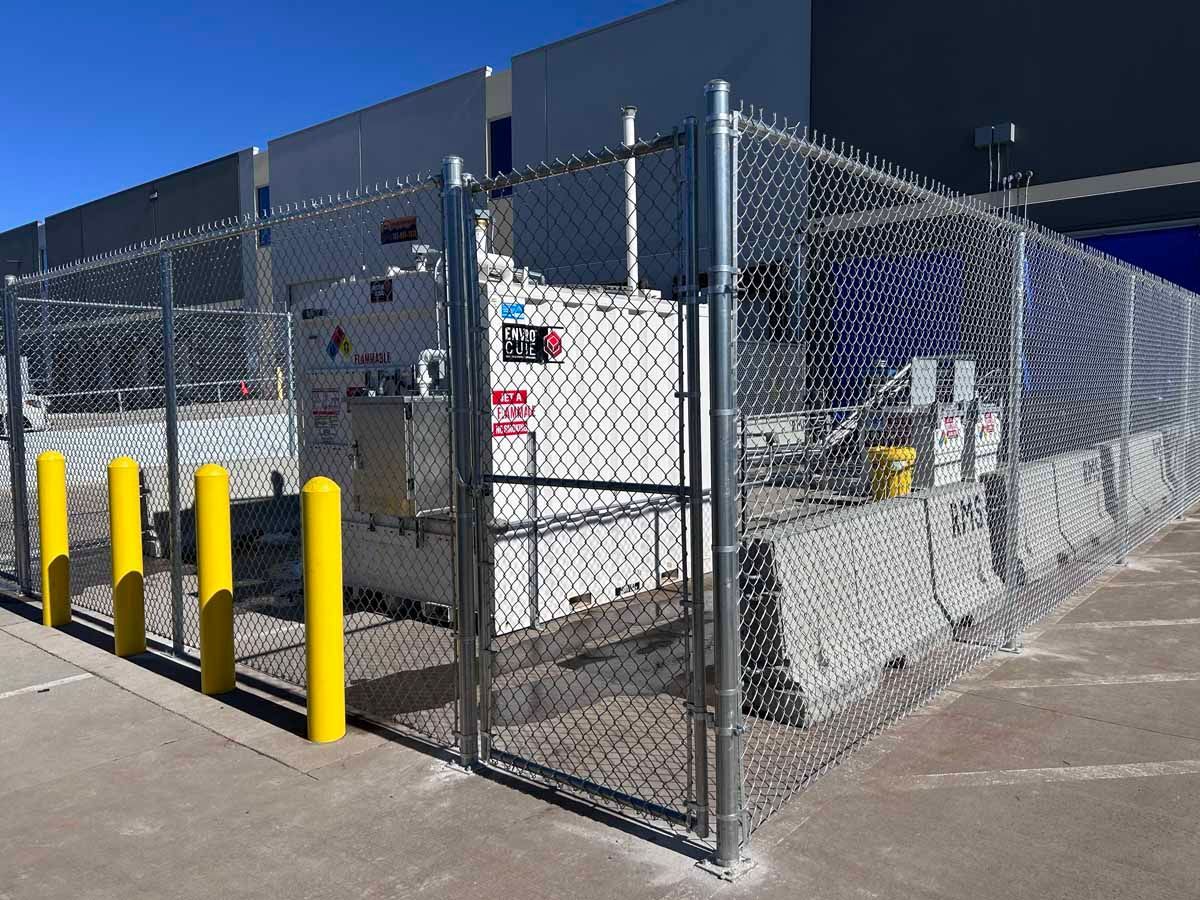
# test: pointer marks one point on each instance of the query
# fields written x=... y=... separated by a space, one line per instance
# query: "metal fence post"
x=724 y=478
x=697 y=701
x=1125 y=475
x=1016 y=391
x=291 y=390
x=175 y=527
x=480 y=416
x=1185 y=475
x=461 y=392
x=16 y=438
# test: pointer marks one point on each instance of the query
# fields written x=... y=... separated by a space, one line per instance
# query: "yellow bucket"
x=891 y=470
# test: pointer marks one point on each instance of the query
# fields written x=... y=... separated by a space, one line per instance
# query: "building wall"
x=19 y=250
x=567 y=98
x=106 y=343
x=202 y=194
x=406 y=137
x=402 y=137
x=1093 y=88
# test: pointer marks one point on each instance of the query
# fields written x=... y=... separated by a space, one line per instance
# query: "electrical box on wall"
x=995 y=135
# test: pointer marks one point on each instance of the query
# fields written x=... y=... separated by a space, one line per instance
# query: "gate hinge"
x=702 y=712
x=717 y=290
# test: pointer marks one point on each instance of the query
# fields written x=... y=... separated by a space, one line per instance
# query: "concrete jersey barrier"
x=900 y=613
x=1148 y=472
x=1042 y=547
x=964 y=578
x=833 y=602
x=1083 y=515
x=801 y=636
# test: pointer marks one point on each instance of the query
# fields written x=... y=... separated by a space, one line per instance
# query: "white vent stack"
x=629 y=138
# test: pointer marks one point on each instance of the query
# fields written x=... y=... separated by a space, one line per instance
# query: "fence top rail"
x=930 y=199
x=236 y=226
x=577 y=163
x=153 y=308
x=248 y=379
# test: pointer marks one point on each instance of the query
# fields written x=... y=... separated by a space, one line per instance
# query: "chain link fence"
x=671 y=522
x=319 y=349
x=948 y=420
x=594 y=649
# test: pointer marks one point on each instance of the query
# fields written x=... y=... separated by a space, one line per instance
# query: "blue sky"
x=102 y=96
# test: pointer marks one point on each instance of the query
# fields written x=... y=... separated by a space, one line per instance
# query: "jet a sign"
x=537 y=344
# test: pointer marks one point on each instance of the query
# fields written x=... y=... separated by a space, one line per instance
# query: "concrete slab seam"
x=1022 y=684
x=45 y=685
x=1010 y=777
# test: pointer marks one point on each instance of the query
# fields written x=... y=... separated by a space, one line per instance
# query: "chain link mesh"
x=8 y=515
x=949 y=419
x=314 y=346
x=583 y=422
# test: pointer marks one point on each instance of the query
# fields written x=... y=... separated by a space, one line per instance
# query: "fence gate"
x=589 y=639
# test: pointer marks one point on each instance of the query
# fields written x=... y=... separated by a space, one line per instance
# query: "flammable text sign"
x=511 y=412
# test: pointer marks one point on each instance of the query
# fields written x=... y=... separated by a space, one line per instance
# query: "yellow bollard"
x=125 y=530
x=214 y=574
x=321 y=529
x=55 y=548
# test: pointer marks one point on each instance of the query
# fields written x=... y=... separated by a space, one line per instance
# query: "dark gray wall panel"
x=19 y=250
x=566 y=100
x=206 y=193
x=187 y=199
x=566 y=96
x=411 y=134
x=1093 y=87
x=394 y=139
x=118 y=221
x=64 y=237
x=316 y=162
x=208 y=273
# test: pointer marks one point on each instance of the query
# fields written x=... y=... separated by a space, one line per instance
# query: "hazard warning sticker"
x=511 y=412
x=326 y=411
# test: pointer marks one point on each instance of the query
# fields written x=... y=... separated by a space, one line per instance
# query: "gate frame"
x=468 y=331
x=728 y=860
x=15 y=401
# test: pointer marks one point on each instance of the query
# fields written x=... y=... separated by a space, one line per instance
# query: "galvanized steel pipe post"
x=697 y=699
x=1016 y=376
x=457 y=268
x=174 y=522
x=1125 y=476
x=15 y=397
x=722 y=359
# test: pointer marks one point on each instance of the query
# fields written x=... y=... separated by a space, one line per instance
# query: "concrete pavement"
x=1069 y=771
